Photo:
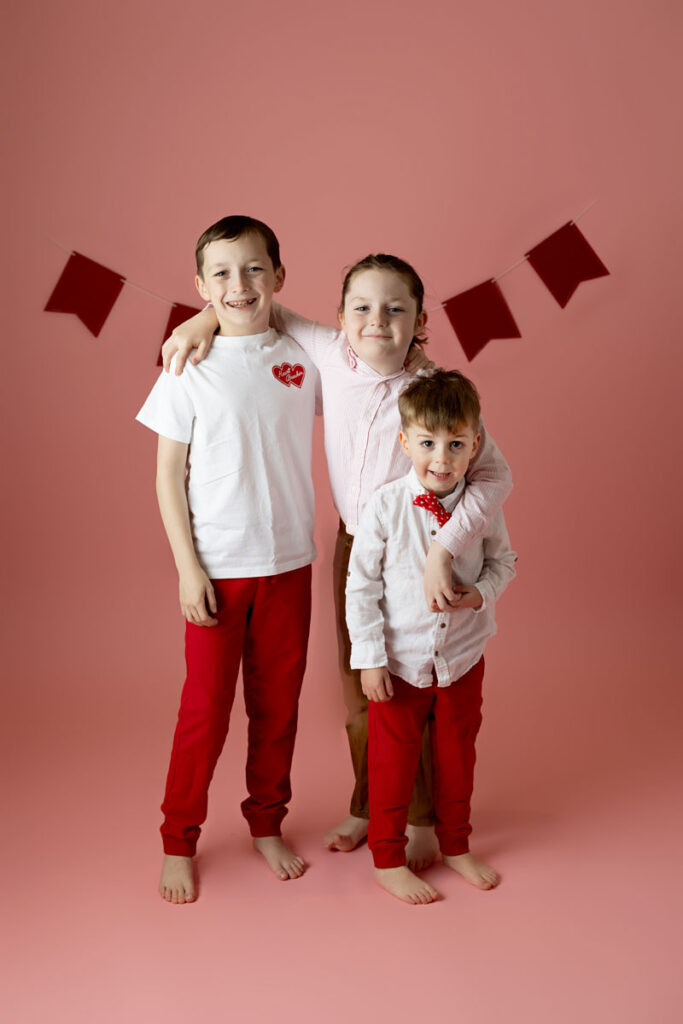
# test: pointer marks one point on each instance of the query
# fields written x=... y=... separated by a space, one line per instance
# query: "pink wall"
x=457 y=135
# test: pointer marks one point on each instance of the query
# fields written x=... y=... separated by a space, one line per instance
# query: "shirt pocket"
x=214 y=462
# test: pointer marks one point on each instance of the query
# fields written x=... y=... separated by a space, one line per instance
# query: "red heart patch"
x=288 y=374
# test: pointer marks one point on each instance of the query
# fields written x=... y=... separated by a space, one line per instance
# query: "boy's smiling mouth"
x=240 y=303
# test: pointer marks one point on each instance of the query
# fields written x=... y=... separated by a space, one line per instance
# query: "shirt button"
x=436 y=654
x=348 y=574
x=443 y=624
x=433 y=533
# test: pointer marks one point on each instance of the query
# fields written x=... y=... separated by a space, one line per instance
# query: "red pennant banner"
x=564 y=260
x=479 y=315
x=177 y=316
x=86 y=289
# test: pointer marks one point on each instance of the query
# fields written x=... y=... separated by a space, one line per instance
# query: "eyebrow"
x=362 y=298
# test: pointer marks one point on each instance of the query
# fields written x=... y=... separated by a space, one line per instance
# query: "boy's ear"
x=340 y=317
x=280 y=275
x=475 y=446
x=404 y=442
x=201 y=288
x=421 y=323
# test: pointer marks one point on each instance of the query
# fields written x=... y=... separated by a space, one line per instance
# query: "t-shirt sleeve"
x=169 y=410
x=315 y=338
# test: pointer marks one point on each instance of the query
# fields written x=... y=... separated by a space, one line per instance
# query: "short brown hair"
x=232 y=228
x=440 y=401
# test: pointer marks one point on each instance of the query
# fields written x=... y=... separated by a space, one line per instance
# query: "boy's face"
x=380 y=317
x=239 y=281
x=440 y=457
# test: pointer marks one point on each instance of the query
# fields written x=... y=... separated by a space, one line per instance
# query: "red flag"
x=564 y=260
x=177 y=316
x=480 y=314
x=86 y=289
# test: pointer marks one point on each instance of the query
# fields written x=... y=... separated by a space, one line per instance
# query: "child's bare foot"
x=347 y=835
x=473 y=871
x=422 y=847
x=176 y=884
x=402 y=883
x=282 y=861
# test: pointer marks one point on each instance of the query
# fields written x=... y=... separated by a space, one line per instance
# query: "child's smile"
x=440 y=457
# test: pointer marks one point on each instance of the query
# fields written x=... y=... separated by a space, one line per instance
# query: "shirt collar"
x=357 y=364
x=450 y=500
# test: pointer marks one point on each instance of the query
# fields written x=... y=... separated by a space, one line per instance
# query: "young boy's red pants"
x=263 y=622
x=395 y=742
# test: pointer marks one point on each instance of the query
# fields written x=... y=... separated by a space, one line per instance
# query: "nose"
x=237 y=280
x=378 y=318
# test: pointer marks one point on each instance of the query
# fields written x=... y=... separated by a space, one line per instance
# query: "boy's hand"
x=376 y=683
x=467 y=596
x=416 y=359
x=196 y=596
x=439 y=590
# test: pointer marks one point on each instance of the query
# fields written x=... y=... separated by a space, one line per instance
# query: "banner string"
x=131 y=284
x=524 y=259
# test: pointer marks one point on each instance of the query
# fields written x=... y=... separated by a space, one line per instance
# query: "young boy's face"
x=239 y=281
x=440 y=457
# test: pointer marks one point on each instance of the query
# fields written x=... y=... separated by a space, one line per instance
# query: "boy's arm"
x=489 y=482
x=195 y=333
x=197 y=596
x=364 y=589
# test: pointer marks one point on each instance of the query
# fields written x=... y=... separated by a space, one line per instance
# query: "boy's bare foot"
x=473 y=871
x=282 y=861
x=347 y=835
x=176 y=884
x=422 y=847
x=402 y=883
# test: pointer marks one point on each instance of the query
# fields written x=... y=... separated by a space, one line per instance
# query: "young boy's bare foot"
x=402 y=883
x=474 y=871
x=347 y=835
x=282 y=861
x=176 y=884
x=422 y=847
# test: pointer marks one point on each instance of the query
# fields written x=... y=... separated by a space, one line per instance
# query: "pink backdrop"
x=457 y=136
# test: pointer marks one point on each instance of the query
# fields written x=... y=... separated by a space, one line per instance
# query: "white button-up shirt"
x=362 y=422
x=389 y=623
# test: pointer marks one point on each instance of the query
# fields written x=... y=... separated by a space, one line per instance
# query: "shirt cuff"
x=487 y=596
x=368 y=654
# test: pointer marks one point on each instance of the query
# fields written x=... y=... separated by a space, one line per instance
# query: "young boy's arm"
x=197 y=596
x=499 y=562
x=364 y=589
x=488 y=484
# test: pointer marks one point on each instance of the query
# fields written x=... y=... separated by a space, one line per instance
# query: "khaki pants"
x=421 y=810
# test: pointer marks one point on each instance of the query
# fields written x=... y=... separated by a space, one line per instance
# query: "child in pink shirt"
x=362 y=373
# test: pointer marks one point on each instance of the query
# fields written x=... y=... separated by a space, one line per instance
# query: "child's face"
x=440 y=457
x=380 y=317
x=239 y=281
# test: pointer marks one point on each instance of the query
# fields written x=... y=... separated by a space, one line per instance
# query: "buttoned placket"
x=361 y=447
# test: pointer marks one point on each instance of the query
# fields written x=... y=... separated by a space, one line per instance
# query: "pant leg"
x=421 y=810
x=456 y=722
x=273 y=670
x=212 y=655
x=396 y=731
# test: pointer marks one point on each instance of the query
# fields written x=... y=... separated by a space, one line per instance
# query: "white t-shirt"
x=247 y=414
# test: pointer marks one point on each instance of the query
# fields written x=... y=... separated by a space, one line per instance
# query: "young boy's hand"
x=440 y=593
x=467 y=596
x=416 y=359
x=197 y=597
x=376 y=683
x=195 y=334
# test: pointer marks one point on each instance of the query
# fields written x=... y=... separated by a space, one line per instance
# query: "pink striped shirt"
x=360 y=409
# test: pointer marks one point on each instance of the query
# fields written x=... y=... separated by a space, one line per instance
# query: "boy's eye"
x=219 y=273
x=361 y=309
x=396 y=309
x=255 y=270
x=456 y=444
x=427 y=444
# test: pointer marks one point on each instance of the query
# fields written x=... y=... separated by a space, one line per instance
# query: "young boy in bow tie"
x=419 y=665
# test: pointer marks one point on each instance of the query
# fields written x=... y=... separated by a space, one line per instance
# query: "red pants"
x=264 y=623
x=395 y=742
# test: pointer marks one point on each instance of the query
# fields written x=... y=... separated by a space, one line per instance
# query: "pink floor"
x=579 y=816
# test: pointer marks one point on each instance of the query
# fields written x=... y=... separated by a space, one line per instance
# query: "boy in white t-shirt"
x=419 y=665
x=236 y=498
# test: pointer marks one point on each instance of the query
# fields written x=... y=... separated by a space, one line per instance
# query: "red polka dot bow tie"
x=433 y=505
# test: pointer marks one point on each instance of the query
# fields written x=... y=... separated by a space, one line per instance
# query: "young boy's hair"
x=441 y=401
x=234 y=227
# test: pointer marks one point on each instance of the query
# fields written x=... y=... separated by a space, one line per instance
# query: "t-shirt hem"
x=250 y=571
